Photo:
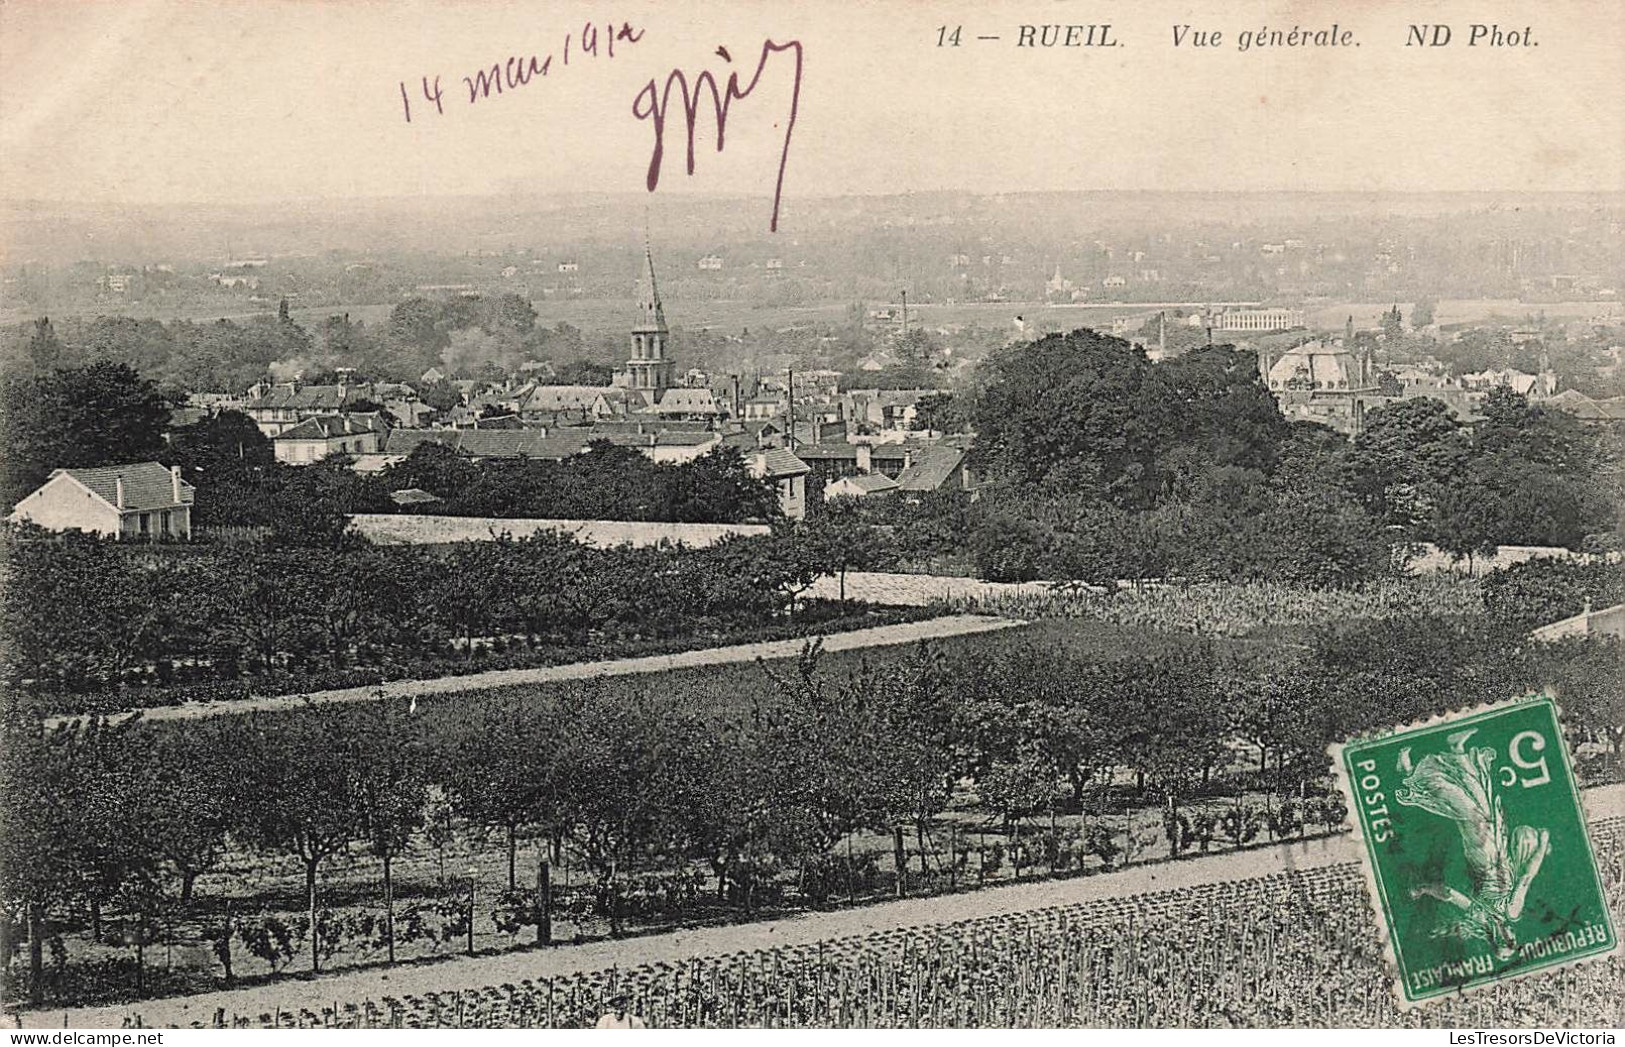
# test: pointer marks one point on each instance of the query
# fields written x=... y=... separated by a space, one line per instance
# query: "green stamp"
x=1476 y=849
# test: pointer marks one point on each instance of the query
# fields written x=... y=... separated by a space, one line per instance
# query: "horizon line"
x=706 y=197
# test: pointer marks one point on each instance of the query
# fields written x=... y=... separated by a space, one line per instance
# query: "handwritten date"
x=519 y=70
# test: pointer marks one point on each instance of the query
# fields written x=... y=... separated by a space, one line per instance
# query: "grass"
x=728 y=688
x=1258 y=610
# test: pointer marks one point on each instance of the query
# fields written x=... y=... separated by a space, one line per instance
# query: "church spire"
x=653 y=312
x=649 y=372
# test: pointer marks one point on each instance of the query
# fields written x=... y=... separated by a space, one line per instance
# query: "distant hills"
x=57 y=233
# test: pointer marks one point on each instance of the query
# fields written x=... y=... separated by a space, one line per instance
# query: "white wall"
x=63 y=505
x=403 y=529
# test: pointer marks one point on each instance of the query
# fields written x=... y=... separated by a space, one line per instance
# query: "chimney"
x=175 y=484
x=118 y=492
x=865 y=458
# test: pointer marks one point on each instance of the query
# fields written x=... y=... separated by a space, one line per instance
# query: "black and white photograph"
x=854 y=514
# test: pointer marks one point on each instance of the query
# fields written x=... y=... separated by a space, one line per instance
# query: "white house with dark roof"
x=789 y=476
x=142 y=500
x=319 y=436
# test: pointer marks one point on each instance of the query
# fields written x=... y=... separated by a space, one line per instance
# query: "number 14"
x=947 y=39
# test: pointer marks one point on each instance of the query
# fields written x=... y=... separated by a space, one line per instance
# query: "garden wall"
x=401 y=529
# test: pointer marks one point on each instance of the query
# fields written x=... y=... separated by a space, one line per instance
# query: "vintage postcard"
x=875 y=514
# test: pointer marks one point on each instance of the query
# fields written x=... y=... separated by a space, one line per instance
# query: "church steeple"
x=649 y=304
x=648 y=371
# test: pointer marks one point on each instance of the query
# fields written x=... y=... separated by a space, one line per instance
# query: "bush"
x=1007 y=549
x=1240 y=824
x=1102 y=843
x=1286 y=822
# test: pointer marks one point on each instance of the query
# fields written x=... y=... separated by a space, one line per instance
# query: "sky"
x=163 y=101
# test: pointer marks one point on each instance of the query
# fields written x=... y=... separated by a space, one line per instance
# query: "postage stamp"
x=1475 y=845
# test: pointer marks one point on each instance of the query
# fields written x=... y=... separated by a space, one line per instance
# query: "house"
x=135 y=501
x=789 y=476
x=1589 y=410
x=885 y=408
x=285 y=406
x=862 y=485
x=935 y=467
x=549 y=403
x=679 y=448
x=1519 y=382
x=480 y=444
x=679 y=402
x=412 y=414
x=317 y=437
x=766 y=405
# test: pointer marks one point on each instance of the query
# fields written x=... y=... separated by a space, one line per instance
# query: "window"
x=163 y=522
x=144 y=523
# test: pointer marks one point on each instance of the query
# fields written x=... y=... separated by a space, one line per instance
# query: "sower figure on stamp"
x=1460 y=785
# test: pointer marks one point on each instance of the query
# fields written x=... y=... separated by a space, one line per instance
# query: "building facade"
x=139 y=501
x=1260 y=319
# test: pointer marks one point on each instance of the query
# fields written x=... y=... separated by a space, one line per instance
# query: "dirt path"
x=878 y=636
x=804 y=929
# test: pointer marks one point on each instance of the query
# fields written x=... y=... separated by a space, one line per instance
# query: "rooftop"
x=147 y=485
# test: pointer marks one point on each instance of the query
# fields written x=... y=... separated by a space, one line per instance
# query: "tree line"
x=605 y=482
x=645 y=785
x=87 y=620
x=1102 y=465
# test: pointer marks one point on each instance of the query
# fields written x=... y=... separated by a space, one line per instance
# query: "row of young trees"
x=91 y=617
x=757 y=792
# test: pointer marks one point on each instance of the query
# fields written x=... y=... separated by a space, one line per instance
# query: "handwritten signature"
x=652 y=104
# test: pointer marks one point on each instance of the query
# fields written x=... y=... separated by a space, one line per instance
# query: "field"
x=434 y=875
x=1297 y=949
x=1257 y=609
x=689 y=746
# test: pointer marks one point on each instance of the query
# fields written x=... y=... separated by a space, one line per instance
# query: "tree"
x=1584 y=673
x=939 y=412
x=190 y=798
x=390 y=762
x=780 y=562
x=102 y=414
x=585 y=372
x=44 y=347
x=717 y=487
x=301 y=798
x=1408 y=452
x=434 y=467
x=841 y=540
x=1069 y=412
x=1008 y=548
x=1393 y=324
x=222 y=439
x=502 y=773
